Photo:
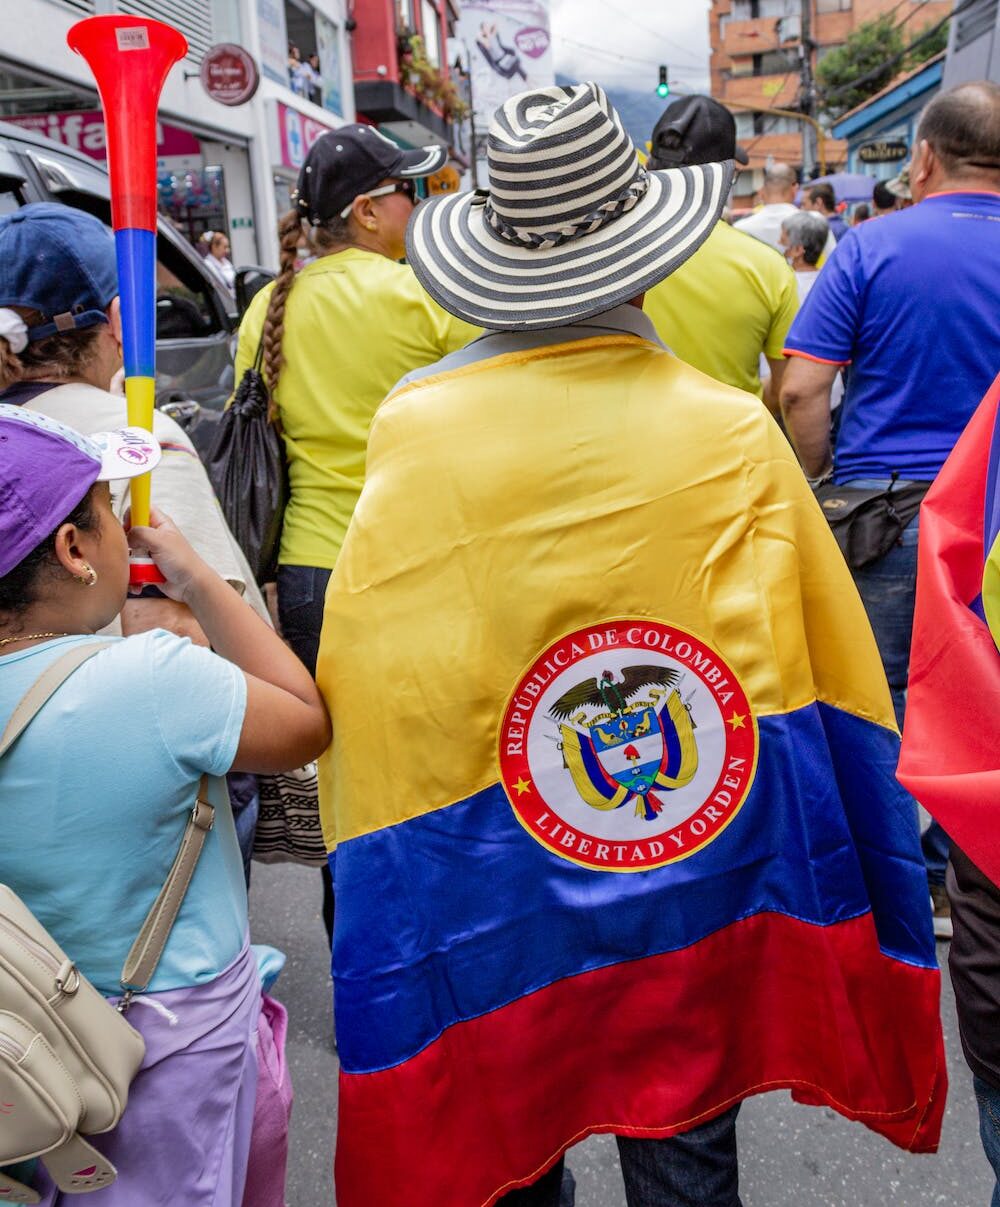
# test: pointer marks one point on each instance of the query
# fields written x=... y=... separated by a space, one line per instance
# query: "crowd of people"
x=615 y=834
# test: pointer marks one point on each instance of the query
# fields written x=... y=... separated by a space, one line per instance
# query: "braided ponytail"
x=289 y=234
x=322 y=238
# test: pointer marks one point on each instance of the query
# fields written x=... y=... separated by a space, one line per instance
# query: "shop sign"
x=83 y=130
x=883 y=150
x=296 y=134
x=229 y=74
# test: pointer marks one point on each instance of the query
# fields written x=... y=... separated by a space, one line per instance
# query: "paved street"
x=791 y=1156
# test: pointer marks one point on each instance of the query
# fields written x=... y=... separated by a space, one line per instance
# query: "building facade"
x=756 y=60
x=402 y=76
x=974 y=44
x=219 y=167
x=880 y=134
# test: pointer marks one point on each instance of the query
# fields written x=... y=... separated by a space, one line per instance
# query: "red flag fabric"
x=950 y=758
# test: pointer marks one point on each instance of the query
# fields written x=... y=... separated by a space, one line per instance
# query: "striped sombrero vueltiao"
x=572 y=224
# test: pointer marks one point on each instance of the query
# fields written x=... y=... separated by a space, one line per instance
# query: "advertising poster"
x=273 y=40
x=328 y=45
x=509 y=49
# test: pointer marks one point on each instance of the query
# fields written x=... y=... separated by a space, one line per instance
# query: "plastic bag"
x=247 y=467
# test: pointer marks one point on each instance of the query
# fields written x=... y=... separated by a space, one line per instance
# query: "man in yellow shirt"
x=735 y=298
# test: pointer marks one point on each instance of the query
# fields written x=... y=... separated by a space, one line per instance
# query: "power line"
x=647 y=29
x=614 y=54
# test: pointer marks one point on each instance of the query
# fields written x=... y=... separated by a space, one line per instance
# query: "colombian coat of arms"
x=626 y=745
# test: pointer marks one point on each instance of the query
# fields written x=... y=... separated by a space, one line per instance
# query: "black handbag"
x=867 y=522
x=247 y=467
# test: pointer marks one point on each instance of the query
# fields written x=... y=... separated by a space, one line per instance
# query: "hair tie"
x=14 y=330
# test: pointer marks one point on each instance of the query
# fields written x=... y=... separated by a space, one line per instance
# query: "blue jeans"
x=301 y=597
x=695 y=1169
x=888 y=589
x=244 y=798
x=989 y=1129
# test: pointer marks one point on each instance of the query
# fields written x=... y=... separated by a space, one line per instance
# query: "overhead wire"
x=648 y=29
x=615 y=54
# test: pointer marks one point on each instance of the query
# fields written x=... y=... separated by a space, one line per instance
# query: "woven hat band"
x=623 y=201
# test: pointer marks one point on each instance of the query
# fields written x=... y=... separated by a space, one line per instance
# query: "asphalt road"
x=790 y=1156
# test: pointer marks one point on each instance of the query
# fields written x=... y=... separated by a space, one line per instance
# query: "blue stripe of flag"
x=460 y=911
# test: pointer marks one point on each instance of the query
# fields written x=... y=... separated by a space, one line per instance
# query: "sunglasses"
x=407 y=187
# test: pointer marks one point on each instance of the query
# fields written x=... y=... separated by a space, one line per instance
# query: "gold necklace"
x=29 y=637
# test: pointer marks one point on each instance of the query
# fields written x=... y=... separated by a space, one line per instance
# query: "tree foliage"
x=868 y=48
x=924 y=50
x=873 y=55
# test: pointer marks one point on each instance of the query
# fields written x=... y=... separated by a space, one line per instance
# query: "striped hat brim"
x=490 y=281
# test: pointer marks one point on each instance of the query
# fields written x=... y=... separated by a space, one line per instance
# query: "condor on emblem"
x=627 y=745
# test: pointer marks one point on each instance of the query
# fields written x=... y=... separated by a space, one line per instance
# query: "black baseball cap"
x=693 y=130
x=345 y=163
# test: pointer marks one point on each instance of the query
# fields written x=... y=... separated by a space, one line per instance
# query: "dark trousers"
x=695 y=1169
x=988 y=1099
x=888 y=589
x=301 y=595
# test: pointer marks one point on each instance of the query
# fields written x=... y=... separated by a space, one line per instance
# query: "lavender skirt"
x=185 y=1135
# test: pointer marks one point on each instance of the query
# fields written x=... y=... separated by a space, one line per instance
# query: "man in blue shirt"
x=909 y=303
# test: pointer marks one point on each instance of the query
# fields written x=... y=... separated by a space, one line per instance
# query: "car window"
x=61 y=174
x=12 y=195
x=185 y=306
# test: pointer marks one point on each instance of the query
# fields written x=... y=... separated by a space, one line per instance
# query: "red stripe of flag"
x=950 y=759
x=650 y=1047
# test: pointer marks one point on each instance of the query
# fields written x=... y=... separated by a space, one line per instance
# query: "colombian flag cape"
x=950 y=760
x=617 y=835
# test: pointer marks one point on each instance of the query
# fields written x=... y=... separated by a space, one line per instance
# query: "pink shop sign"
x=84 y=131
x=296 y=134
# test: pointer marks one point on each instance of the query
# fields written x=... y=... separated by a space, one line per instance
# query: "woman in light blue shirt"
x=95 y=795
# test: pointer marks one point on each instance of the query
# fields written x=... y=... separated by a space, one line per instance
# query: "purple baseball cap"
x=46 y=468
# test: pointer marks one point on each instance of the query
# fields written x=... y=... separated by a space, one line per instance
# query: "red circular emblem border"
x=584 y=849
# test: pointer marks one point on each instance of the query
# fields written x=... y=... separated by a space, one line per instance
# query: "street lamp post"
x=807 y=91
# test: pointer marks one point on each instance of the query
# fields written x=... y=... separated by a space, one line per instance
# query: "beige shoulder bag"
x=67 y=1056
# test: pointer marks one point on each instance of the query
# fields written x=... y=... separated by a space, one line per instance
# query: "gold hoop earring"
x=89 y=579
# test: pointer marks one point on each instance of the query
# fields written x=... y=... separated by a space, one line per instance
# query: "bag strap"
x=258 y=360
x=145 y=953
x=45 y=686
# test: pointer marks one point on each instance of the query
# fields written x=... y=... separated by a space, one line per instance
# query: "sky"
x=620 y=43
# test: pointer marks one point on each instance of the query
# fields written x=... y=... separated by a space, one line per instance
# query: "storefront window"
x=22 y=92
x=194 y=200
x=314 y=61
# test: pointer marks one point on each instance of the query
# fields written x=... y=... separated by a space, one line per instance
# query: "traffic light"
x=663 y=87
